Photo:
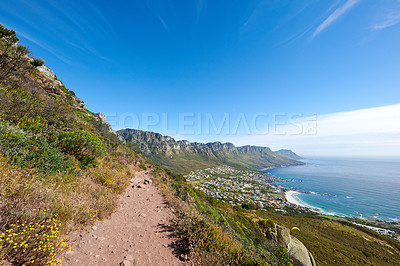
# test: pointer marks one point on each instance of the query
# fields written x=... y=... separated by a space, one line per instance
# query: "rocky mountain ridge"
x=168 y=151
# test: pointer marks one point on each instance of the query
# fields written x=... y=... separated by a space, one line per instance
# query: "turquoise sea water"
x=363 y=187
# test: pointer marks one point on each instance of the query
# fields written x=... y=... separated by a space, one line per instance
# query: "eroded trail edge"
x=140 y=232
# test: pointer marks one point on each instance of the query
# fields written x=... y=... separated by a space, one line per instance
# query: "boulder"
x=279 y=235
x=126 y=263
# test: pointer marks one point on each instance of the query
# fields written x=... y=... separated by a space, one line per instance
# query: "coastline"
x=291 y=197
x=341 y=182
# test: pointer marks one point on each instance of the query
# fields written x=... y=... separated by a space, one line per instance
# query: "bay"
x=366 y=188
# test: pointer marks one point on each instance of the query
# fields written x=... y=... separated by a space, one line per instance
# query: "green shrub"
x=110 y=177
x=83 y=145
x=203 y=236
x=17 y=103
x=30 y=124
x=37 y=62
x=249 y=206
x=72 y=93
x=283 y=258
x=31 y=151
x=13 y=55
x=266 y=225
x=142 y=166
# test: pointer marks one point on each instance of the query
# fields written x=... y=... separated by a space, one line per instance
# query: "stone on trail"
x=126 y=263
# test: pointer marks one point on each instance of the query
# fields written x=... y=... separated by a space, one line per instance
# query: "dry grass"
x=51 y=207
x=75 y=179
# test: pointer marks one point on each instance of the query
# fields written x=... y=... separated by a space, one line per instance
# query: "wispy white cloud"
x=253 y=17
x=108 y=29
x=161 y=10
x=82 y=17
x=85 y=48
x=390 y=19
x=40 y=44
x=364 y=132
x=296 y=36
x=335 y=15
x=199 y=5
x=70 y=22
x=165 y=26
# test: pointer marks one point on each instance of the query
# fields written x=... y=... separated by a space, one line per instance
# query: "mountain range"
x=183 y=156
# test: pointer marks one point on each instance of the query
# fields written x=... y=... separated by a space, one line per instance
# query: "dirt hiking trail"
x=138 y=233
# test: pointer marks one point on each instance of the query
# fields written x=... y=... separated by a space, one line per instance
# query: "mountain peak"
x=288 y=154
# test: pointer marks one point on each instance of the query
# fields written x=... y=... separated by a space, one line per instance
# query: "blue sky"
x=271 y=61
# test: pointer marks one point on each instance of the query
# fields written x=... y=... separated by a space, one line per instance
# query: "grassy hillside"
x=60 y=166
x=336 y=241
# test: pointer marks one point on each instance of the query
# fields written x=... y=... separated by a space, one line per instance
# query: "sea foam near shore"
x=292 y=197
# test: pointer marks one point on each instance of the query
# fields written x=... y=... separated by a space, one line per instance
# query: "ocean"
x=367 y=188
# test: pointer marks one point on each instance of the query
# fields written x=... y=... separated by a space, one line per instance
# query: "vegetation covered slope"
x=60 y=166
x=183 y=156
x=331 y=241
x=335 y=241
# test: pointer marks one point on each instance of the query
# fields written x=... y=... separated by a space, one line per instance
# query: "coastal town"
x=258 y=190
x=240 y=187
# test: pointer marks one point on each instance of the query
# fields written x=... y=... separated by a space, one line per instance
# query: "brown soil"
x=139 y=233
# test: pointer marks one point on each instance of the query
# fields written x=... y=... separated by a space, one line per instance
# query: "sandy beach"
x=290 y=196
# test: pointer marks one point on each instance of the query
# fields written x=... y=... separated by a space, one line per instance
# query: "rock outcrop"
x=279 y=235
x=48 y=73
x=49 y=81
x=103 y=119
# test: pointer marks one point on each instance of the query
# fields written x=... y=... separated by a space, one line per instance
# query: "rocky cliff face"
x=52 y=84
x=167 y=151
x=154 y=143
x=103 y=119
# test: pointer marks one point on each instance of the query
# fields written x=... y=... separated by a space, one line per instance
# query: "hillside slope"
x=288 y=154
x=61 y=168
x=183 y=156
